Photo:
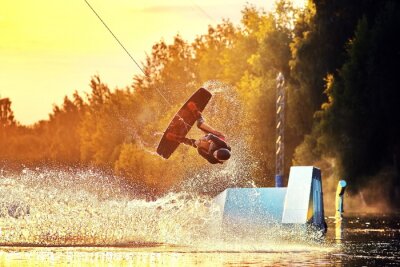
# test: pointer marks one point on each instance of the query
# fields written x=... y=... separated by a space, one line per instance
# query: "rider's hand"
x=220 y=135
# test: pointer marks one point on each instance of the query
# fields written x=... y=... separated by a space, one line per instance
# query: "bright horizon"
x=49 y=49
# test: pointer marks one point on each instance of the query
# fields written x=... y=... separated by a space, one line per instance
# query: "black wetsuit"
x=208 y=154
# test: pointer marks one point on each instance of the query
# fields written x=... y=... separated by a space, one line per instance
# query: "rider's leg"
x=189 y=142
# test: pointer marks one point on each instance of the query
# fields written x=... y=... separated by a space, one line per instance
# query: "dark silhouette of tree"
x=6 y=114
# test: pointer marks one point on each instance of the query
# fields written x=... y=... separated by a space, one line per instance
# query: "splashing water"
x=50 y=207
x=75 y=207
x=86 y=207
x=223 y=112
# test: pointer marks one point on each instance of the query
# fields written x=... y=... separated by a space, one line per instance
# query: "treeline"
x=339 y=59
x=346 y=64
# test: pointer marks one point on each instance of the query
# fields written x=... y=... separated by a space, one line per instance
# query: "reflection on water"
x=366 y=240
x=83 y=218
x=339 y=227
x=154 y=257
x=372 y=241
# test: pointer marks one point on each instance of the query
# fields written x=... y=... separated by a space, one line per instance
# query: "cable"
x=203 y=11
x=115 y=37
x=119 y=42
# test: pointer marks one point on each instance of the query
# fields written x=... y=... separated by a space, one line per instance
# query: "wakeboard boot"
x=194 y=110
x=174 y=137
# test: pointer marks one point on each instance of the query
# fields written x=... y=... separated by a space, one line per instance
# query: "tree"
x=6 y=114
x=357 y=122
x=62 y=134
x=319 y=49
x=7 y=125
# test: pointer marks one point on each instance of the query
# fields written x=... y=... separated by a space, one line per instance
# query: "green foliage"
x=361 y=114
x=357 y=122
x=318 y=49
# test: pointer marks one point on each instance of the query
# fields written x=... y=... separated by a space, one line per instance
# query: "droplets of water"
x=224 y=113
x=85 y=207
x=91 y=208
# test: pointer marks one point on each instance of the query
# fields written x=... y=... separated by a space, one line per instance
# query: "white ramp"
x=300 y=203
x=298 y=207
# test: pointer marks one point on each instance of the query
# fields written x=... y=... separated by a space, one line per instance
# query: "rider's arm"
x=202 y=125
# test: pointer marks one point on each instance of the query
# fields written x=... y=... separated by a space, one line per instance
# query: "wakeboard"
x=182 y=122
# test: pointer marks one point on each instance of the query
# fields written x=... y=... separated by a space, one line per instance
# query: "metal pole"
x=280 y=129
x=339 y=198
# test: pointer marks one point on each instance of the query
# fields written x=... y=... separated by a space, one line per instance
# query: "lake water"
x=362 y=240
x=86 y=218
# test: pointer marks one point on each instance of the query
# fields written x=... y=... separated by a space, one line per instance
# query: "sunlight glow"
x=49 y=49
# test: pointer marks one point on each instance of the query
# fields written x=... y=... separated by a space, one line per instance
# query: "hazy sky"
x=50 y=48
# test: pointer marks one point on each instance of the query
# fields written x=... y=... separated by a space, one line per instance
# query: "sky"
x=51 y=48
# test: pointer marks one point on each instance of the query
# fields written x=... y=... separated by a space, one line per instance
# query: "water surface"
x=363 y=241
x=83 y=218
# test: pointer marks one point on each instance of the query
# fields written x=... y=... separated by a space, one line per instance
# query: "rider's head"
x=222 y=154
